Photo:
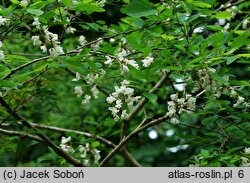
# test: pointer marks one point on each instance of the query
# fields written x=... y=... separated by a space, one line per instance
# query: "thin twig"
x=20 y=134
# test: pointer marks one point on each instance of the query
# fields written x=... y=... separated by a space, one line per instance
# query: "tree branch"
x=50 y=143
x=21 y=134
x=130 y=136
x=124 y=152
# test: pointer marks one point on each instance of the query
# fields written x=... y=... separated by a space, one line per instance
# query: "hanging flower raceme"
x=123 y=100
x=90 y=79
x=3 y=20
x=89 y=154
x=179 y=105
x=65 y=145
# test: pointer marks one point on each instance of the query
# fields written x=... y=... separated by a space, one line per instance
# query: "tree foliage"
x=124 y=83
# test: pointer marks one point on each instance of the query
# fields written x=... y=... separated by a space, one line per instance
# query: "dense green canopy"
x=124 y=83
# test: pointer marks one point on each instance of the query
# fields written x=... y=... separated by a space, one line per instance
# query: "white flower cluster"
x=86 y=151
x=147 y=61
x=179 y=105
x=25 y=2
x=51 y=38
x=123 y=61
x=89 y=79
x=245 y=162
x=122 y=97
x=102 y=3
x=240 y=100
x=82 y=40
x=3 y=21
x=97 y=44
x=247 y=150
x=64 y=145
x=70 y=30
x=2 y=56
x=36 y=23
x=204 y=80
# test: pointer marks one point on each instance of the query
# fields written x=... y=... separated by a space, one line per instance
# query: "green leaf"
x=240 y=41
x=88 y=7
x=95 y=144
x=40 y=4
x=247 y=55
x=140 y=8
x=230 y=59
x=201 y=4
x=209 y=121
x=67 y=2
x=222 y=15
x=151 y=97
x=36 y=12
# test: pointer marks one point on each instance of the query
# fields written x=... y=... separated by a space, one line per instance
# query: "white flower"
x=124 y=114
x=56 y=51
x=59 y=49
x=110 y=99
x=74 y=2
x=53 y=52
x=78 y=77
x=199 y=30
x=245 y=162
x=78 y=91
x=191 y=103
x=36 y=22
x=240 y=100
x=90 y=78
x=245 y=24
x=95 y=91
x=132 y=63
x=125 y=82
x=3 y=20
x=96 y=154
x=247 y=150
x=171 y=112
x=112 y=40
x=65 y=140
x=118 y=104
x=25 y=2
x=86 y=99
x=233 y=94
x=43 y=48
x=147 y=61
x=123 y=40
x=70 y=30
x=109 y=60
x=113 y=110
x=36 y=40
x=174 y=97
x=124 y=68
x=122 y=53
x=67 y=148
x=174 y=121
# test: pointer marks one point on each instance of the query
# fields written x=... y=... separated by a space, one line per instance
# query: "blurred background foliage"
x=50 y=98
